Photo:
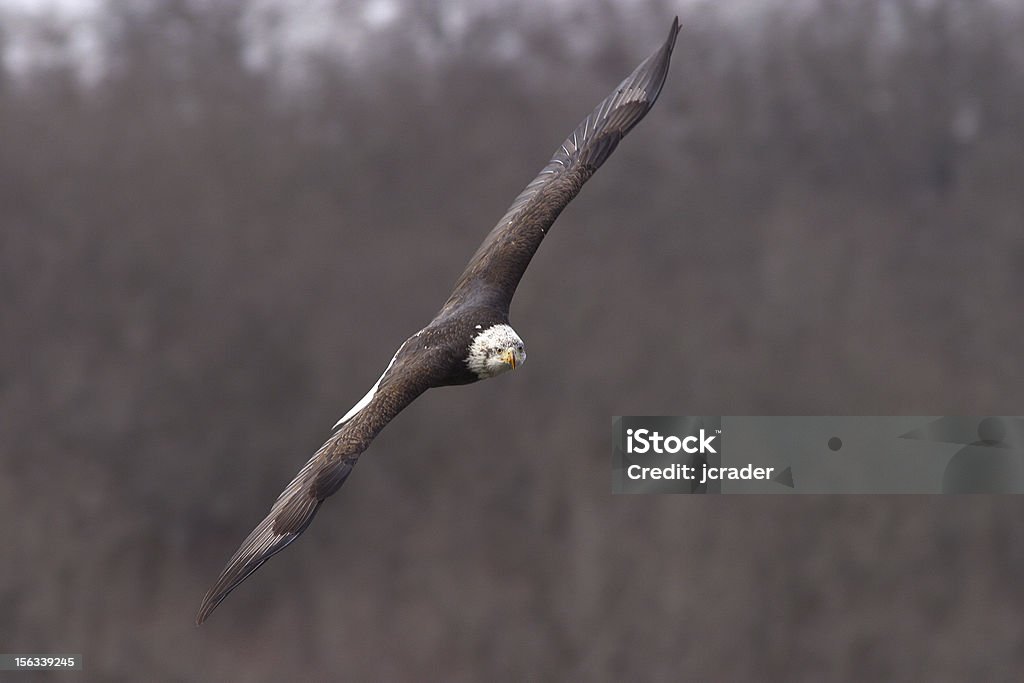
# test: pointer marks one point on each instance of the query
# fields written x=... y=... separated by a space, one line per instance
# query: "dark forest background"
x=206 y=258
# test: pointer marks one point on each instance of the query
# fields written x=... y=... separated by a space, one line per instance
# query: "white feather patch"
x=365 y=400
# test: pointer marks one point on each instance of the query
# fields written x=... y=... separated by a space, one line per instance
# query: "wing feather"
x=498 y=265
x=321 y=476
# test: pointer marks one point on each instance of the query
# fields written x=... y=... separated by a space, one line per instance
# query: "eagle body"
x=470 y=337
x=449 y=340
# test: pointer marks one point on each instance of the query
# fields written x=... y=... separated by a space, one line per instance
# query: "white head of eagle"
x=494 y=351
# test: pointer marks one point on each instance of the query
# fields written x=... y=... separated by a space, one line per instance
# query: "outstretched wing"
x=494 y=271
x=322 y=475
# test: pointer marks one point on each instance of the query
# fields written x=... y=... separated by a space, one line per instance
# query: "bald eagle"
x=470 y=338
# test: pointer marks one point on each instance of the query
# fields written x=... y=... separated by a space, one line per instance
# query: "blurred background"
x=218 y=219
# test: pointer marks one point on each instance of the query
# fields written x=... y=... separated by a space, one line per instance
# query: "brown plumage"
x=469 y=339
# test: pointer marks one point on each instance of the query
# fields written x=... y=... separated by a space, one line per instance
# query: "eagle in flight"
x=470 y=338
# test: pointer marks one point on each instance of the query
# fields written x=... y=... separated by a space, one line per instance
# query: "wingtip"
x=217 y=594
x=673 y=32
x=205 y=610
x=210 y=603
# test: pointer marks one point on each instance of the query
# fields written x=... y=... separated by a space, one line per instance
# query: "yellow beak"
x=510 y=358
